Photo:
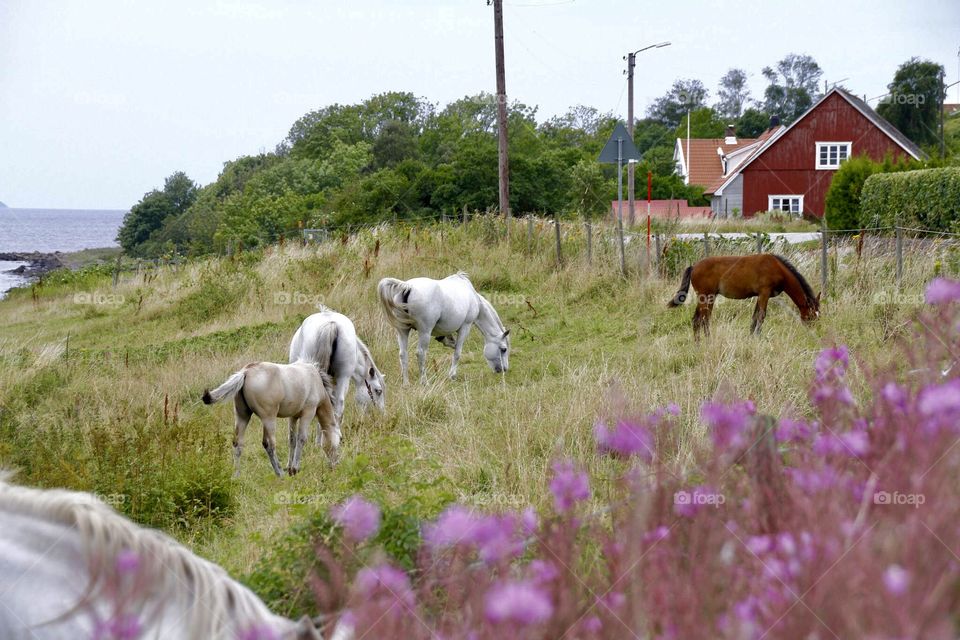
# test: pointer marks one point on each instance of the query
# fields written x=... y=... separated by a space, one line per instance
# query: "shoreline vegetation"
x=39 y=263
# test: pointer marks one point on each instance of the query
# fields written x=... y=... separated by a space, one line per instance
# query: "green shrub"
x=843 y=198
x=927 y=199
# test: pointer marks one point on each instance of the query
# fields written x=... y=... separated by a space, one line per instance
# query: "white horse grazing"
x=445 y=309
x=330 y=340
x=297 y=391
x=71 y=567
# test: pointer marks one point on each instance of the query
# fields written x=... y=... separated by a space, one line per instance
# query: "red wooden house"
x=791 y=169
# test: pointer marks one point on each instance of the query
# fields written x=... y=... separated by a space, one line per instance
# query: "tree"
x=704 y=123
x=589 y=192
x=148 y=215
x=793 y=86
x=733 y=94
x=684 y=95
x=914 y=99
x=752 y=122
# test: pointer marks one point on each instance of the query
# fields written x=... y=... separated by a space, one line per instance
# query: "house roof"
x=878 y=121
x=766 y=135
x=703 y=164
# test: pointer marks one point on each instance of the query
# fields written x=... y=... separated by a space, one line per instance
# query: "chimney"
x=774 y=121
x=731 y=135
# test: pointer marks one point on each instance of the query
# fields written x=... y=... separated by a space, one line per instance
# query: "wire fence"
x=605 y=246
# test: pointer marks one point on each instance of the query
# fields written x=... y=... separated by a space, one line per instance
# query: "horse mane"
x=215 y=603
x=807 y=290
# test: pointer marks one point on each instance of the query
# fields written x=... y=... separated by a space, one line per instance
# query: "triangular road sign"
x=629 y=150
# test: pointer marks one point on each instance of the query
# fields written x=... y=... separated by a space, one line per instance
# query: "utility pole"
x=504 y=165
x=942 y=96
x=631 y=59
x=631 y=166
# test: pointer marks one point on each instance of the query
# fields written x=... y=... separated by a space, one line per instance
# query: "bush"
x=843 y=197
x=928 y=199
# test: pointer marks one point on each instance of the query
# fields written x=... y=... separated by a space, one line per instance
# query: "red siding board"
x=788 y=166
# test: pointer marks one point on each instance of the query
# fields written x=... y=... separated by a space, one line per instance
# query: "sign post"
x=619 y=148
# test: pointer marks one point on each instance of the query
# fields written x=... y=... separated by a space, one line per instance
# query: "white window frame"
x=781 y=198
x=829 y=165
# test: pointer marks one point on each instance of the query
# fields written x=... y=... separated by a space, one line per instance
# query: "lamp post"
x=631 y=59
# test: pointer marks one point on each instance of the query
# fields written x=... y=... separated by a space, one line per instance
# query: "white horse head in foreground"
x=445 y=309
x=297 y=391
x=71 y=567
x=330 y=340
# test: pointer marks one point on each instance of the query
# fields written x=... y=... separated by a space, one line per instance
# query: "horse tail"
x=681 y=295
x=393 y=295
x=233 y=384
x=326 y=346
x=327 y=384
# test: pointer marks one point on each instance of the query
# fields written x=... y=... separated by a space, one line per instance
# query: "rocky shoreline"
x=38 y=265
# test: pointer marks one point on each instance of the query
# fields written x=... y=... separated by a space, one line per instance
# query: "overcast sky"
x=101 y=99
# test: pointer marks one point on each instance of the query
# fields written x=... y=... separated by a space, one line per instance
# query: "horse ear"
x=506 y=333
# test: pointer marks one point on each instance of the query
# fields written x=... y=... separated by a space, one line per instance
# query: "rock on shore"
x=39 y=263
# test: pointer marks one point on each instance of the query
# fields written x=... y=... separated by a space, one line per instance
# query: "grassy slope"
x=577 y=332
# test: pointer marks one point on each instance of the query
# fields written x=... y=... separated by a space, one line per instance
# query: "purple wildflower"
x=543 y=571
x=258 y=632
x=728 y=422
x=454 y=526
x=940 y=403
x=832 y=363
x=496 y=538
x=896 y=395
x=385 y=580
x=121 y=627
x=942 y=291
x=568 y=486
x=360 y=519
x=628 y=438
x=896 y=579
x=656 y=535
x=530 y=521
x=520 y=602
x=592 y=624
x=793 y=430
x=127 y=562
x=851 y=444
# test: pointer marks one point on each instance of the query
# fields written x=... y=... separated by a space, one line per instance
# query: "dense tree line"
x=396 y=156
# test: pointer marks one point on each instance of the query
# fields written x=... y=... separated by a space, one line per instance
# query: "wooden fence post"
x=759 y=243
x=899 y=233
x=656 y=245
x=530 y=233
x=706 y=245
x=589 y=228
x=823 y=259
x=556 y=227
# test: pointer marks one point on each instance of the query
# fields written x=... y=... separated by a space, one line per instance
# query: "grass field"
x=100 y=386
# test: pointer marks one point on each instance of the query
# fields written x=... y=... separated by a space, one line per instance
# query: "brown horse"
x=762 y=276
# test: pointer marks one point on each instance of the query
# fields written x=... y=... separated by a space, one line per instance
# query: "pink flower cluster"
x=838 y=522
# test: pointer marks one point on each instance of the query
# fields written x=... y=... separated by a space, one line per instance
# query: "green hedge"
x=926 y=199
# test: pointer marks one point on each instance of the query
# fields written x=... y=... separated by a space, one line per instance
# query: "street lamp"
x=631 y=59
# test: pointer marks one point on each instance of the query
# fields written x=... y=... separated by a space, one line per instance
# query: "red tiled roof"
x=704 y=164
x=660 y=209
x=713 y=186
